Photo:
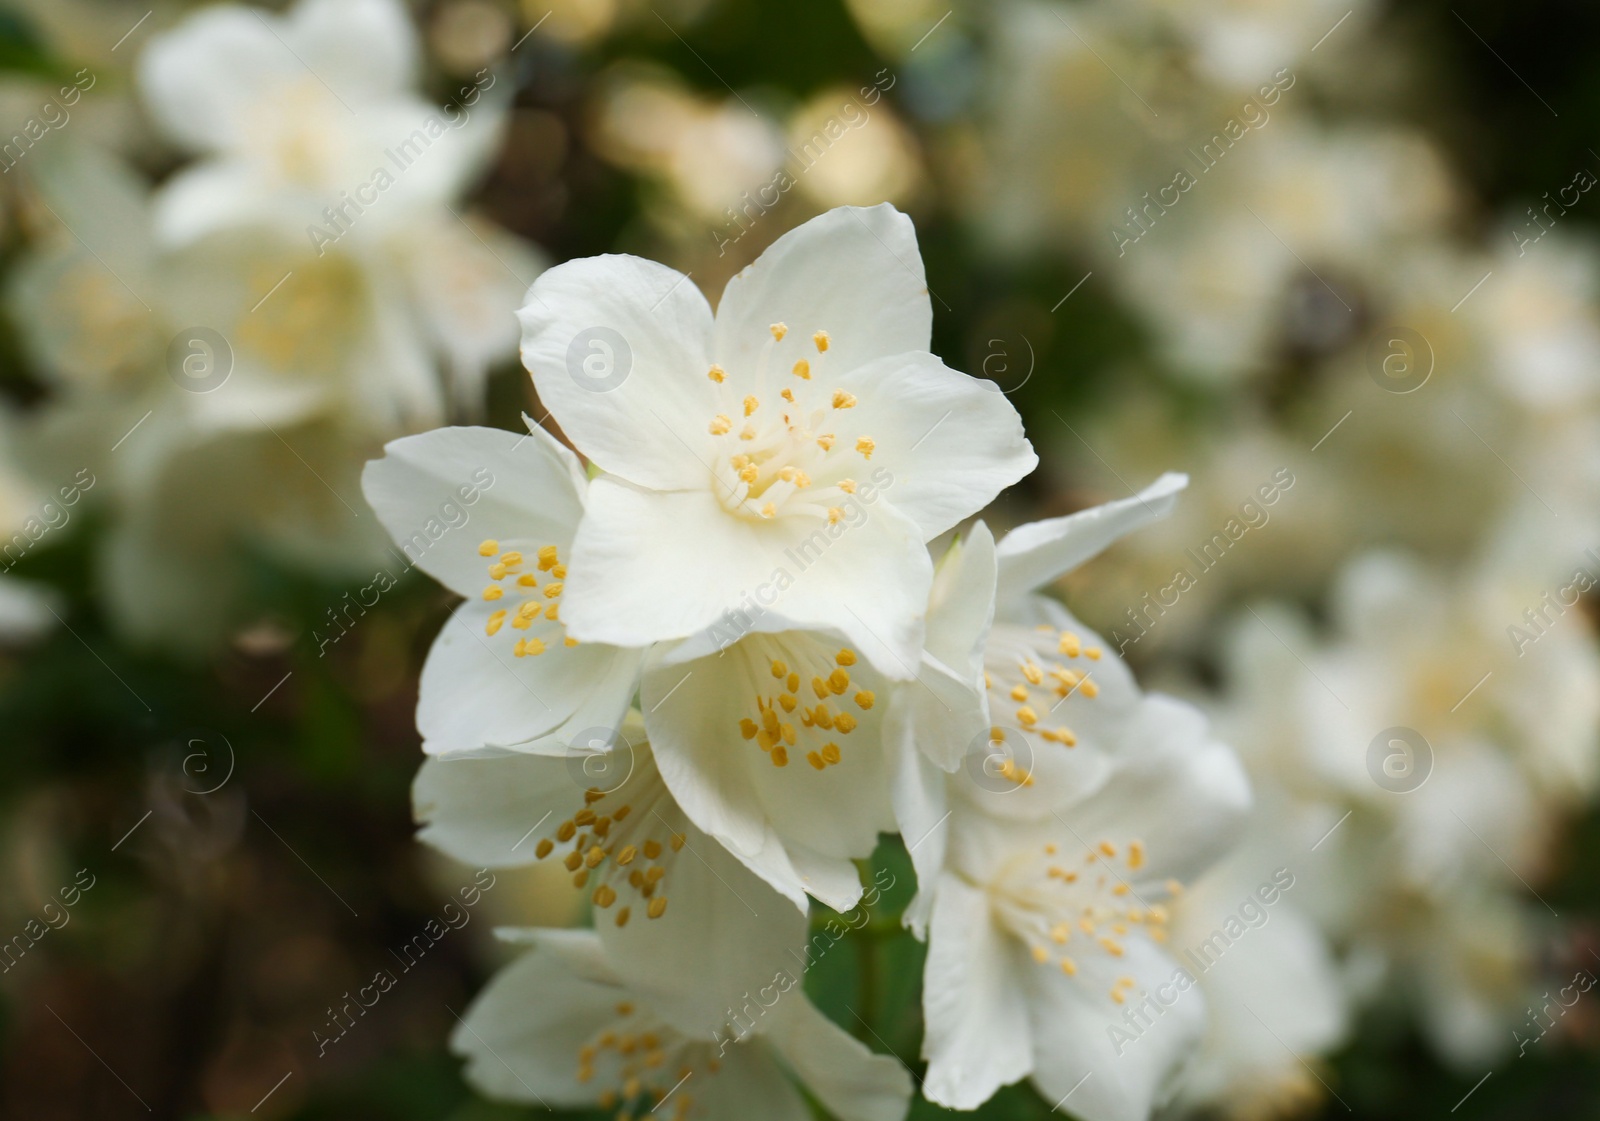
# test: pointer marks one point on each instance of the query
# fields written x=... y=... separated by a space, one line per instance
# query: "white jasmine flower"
x=1046 y=953
x=1046 y=700
x=298 y=114
x=491 y=515
x=560 y=1027
x=737 y=451
x=683 y=922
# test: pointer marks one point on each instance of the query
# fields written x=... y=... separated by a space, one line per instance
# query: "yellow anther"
x=997 y=734
x=717 y=374
x=1069 y=967
x=658 y=907
x=780 y=757
x=802 y=369
x=788 y=701
x=778 y=331
x=1089 y=688
x=572 y=860
x=547 y=558
x=1019 y=692
x=830 y=752
x=748 y=432
x=821 y=339
x=495 y=620
x=843 y=400
x=1094 y=652
x=866 y=447
x=1107 y=848
x=544 y=848
x=1135 y=854
x=1116 y=995
x=1069 y=644
x=1040 y=954
x=489 y=547
x=1060 y=934
x=838 y=682
x=497 y=571
x=566 y=831
x=779 y=669
x=720 y=425
x=865 y=698
x=604 y=895
x=585 y=816
x=1110 y=947
x=845 y=657
x=815 y=760
x=847 y=485
x=593 y=857
x=788 y=734
x=527 y=580
x=787 y=394
x=552 y=590
x=493 y=591
x=749 y=473
x=569 y=641
x=751 y=405
x=1027 y=717
x=845 y=723
x=652 y=849
x=769 y=511
x=553 y=611
x=529 y=646
x=792 y=682
x=821 y=717
x=835 y=515
x=559 y=571
x=511 y=559
x=1033 y=673
x=625 y=857
x=825 y=442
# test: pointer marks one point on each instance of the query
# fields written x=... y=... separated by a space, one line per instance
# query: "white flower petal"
x=1092 y=1058
x=650 y=566
x=725 y=933
x=442 y=493
x=978 y=1036
x=200 y=79
x=951 y=441
x=591 y=322
x=851 y=1082
x=522 y=1033
x=750 y=1083
x=364 y=49
x=492 y=812
x=476 y=694
x=917 y=788
x=854 y=272
x=1033 y=555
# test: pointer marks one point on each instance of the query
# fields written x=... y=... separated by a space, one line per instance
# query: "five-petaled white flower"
x=561 y=1028
x=734 y=449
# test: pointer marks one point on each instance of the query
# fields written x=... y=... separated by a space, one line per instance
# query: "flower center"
x=1024 y=672
x=538 y=610
x=622 y=839
x=796 y=673
x=647 y=1062
x=786 y=457
x=1060 y=905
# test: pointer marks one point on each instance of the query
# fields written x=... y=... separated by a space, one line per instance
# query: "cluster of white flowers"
x=1423 y=375
x=706 y=673
x=301 y=289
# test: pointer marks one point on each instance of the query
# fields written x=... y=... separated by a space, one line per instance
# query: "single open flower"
x=560 y=1028
x=799 y=447
x=1045 y=954
x=683 y=921
x=490 y=515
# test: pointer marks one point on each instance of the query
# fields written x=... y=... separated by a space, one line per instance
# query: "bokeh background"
x=206 y=707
